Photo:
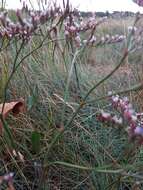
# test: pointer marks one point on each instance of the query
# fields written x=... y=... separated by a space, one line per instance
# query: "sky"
x=91 y=5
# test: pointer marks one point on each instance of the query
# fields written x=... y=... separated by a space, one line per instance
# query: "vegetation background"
x=58 y=142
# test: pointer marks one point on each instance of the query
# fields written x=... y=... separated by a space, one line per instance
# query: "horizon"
x=90 y=6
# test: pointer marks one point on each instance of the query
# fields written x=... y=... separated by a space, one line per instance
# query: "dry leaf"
x=136 y=186
x=11 y=107
x=11 y=187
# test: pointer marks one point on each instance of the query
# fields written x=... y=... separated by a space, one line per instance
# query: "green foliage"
x=63 y=143
x=35 y=139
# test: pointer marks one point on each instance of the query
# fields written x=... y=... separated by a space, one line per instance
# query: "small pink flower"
x=67 y=33
x=128 y=114
x=104 y=116
x=72 y=28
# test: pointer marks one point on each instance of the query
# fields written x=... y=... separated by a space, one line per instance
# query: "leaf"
x=10 y=186
x=12 y=107
x=35 y=138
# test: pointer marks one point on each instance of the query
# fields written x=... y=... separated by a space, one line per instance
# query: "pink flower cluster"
x=7 y=177
x=139 y=2
x=105 y=39
x=109 y=118
x=24 y=28
x=128 y=117
x=74 y=26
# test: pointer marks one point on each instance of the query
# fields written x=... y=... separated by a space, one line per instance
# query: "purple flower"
x=138 y=131
x=128 y=116
x=139 y=2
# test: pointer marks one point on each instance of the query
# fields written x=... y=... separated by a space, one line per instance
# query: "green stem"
x=132 y=89
x=84 y=99
x=68 y=83
x=75 y=69
x=103 y=169
x=9 y=138
x=11 y=75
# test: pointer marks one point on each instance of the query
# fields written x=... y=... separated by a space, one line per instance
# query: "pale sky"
x=91 y=5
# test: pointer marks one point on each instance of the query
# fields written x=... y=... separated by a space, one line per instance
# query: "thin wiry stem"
x=132 y=89
x=15 y=67
x=84 y=100
x=83 y=103
x=12 y=73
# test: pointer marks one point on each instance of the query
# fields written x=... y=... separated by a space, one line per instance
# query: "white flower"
x=115 y=99
x=121 y=37
x=107 y=36
x=93 y=39
x=132 y=29
x=84 y=41
x=117 y=120
x=134 y=118
x=102 y=39
x=66 y=33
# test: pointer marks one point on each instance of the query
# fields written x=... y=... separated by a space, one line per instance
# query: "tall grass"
x=64 y=144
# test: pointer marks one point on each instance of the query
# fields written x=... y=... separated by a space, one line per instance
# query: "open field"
x=60 y=86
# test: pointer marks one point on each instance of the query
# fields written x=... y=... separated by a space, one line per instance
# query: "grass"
x=86 y=154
